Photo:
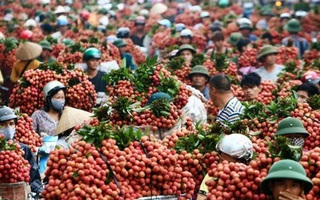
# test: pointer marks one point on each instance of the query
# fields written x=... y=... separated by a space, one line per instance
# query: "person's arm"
x=1 y=78
x=14 y=74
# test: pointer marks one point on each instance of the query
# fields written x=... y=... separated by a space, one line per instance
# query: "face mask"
x=57 y=105
x=297 y=141
x=8 y=132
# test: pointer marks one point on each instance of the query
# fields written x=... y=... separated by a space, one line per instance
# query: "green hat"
x=267 y=11
x=186 y=47
x=157 y=96
x=119 y=43
x=45 y=45
x=133 y=17
x=293 y=26
x=267 y=50
x=67 y=41
x=103 y=11
x=286 y=169
x=199 y=69
x=234 y=38
x=291 y=125
x=91 y=53
x=245 y=26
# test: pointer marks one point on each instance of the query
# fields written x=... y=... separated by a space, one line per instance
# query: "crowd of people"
x=140 y=21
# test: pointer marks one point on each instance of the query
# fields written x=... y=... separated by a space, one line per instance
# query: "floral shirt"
x=43 y=123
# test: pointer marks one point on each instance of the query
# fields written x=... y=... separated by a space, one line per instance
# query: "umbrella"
x=71 y=117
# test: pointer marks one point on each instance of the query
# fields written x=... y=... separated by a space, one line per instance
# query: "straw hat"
x=71 y=117
x=158 y=8
x=28 y=51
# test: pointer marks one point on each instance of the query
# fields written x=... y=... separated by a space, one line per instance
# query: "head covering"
x=28 y=51
x=30 y=22
x=157 y=96
x=234 y=38
x=186 y=47
x=45 y=44
x=140 y=20
x=285 y=15
x=165 y=22
x=119 y=43
x=286 y=169
x=204 y=14
x=179 y=27
x=293 y=26
x=60 y=10
x=267 y=50
x=199 y=69
x=158 y=8
x=111 y=38
x=186 y=33
x=245 y=26
x=291 y=125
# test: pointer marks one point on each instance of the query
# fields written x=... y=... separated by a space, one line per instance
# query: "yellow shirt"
x=19 y=66
x=203 y=187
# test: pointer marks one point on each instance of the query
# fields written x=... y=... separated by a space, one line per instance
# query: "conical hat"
x=28 y=51
x=158 y=8
x=72 y=117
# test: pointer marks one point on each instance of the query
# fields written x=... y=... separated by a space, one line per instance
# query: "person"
x=123 y=32
x=62 y=27
x=46 y=29
x=91 y=57
x=164 y=24
x=267 y=14
x=215 y=26
x=233 y=148
x=242 y=46
x=139 y=35
x=186 y=51
x=8 y=125
x=26 y=55
x=199 y=77
x=313 y=78
x=305 y=91
x=222 y=97
x=45 y=55
x=218 y=41
x=266 y=38
x=246 y=31
x=270 y=70
x=186 y=36
x=179 y=27
x=286 y=179
x=130 y=63
x=294 y=27
x=250 y=85
x=293 y=129
x=205 y=20
x=45 y=120
x=234 y=39
x=284 y=18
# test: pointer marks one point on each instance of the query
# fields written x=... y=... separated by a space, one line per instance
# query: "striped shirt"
x=230 y=113
x=299 y=42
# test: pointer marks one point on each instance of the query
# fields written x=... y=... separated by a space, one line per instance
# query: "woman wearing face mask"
x=45 y=120
x=293 y=129
x=8 y=129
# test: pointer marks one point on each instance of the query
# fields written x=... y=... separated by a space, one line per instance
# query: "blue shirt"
x=205 y=93
x=299 y=42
